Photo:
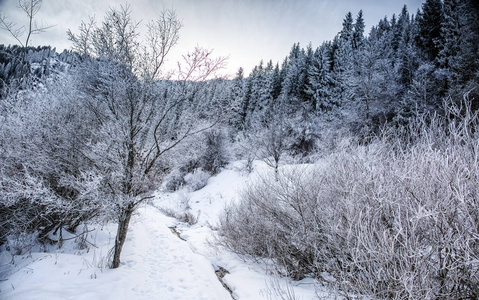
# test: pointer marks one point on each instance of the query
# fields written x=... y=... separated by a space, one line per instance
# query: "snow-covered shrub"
x=202 y=156
x=184 y=216
x=197 y=180
x=395 y=219
x=402 y=217
x=187 y=175
x=278 y=219
x=20 y=242
x=43 y=183
x=174 y=181
x=215 y=154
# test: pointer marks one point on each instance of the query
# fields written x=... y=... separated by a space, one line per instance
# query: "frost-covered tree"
x=358 y=34
x=271 y=135
x=348 y=28
x=238 y=115
x=406 y=56
x=322 y=87
x=136 y=122
x=215 y=155
x=294 y=84
x=459 y=34
x=467 y=58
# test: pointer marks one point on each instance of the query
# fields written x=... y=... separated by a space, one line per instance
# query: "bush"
x=174 y=181
x=197 y=180
x=204 y=158
x=395 y=219
x=215 y=154
x=277 y=219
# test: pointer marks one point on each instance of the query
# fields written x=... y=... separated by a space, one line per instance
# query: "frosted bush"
x=173 y=181
x=395 y=219
x=196 y=180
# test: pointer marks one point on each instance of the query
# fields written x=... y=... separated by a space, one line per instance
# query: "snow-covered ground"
x=156 y=263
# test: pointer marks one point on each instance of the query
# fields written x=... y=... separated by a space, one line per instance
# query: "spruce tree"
x=358 y=34
x=237 y=100
x=347 y=31
x=430 y=21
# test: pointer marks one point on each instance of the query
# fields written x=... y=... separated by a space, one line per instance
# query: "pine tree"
x=405 y=53
x=430 y=20
x=383 y=27
x=451 y=36
x=358 y=34
x=347 y=31
x=276 y=82
x=340 y=61
x=237 y=100
x=399 y=29
x=246 y=103
x=461 y=40
x=321 y=85
x=295 y=75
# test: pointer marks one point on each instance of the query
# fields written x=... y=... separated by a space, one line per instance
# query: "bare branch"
x=199 y=66
x=30 y=8
x=12 y=28
x=162 y=36
x=82 y=41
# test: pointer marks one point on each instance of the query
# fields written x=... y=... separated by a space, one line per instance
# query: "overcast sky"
x=246 y=30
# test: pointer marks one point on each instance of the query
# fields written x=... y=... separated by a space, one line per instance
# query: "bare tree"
x=137 y=123
x=31 y=9
x=82 y=41
x=271 y=134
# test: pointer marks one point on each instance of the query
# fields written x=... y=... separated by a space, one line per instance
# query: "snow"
x=156 y=264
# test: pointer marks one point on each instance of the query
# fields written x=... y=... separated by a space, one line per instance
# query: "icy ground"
x=156 y=263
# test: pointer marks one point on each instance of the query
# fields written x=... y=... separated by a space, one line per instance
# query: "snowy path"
x=155 y=265
x=171 y=269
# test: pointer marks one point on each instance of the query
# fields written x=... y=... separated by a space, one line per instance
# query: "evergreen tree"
x=399 y=30
x=276 y=82
x=405 y=53
x=358 y=34
x=295 y=75
x=347 y=31
x=430 y=20
x=260 y=93
x=461 y=45
x=321 y=85
x=237 y=100
x=246 y=103
x=451 y=36
x=383 y=27
x=305 y=65
x=340 y=61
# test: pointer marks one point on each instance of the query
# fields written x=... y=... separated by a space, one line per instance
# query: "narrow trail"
x=166 y=265
x=155 y=264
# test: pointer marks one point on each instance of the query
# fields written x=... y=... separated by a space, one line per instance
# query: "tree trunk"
x=125 y=213
x=123 y=223
x=276 y=169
